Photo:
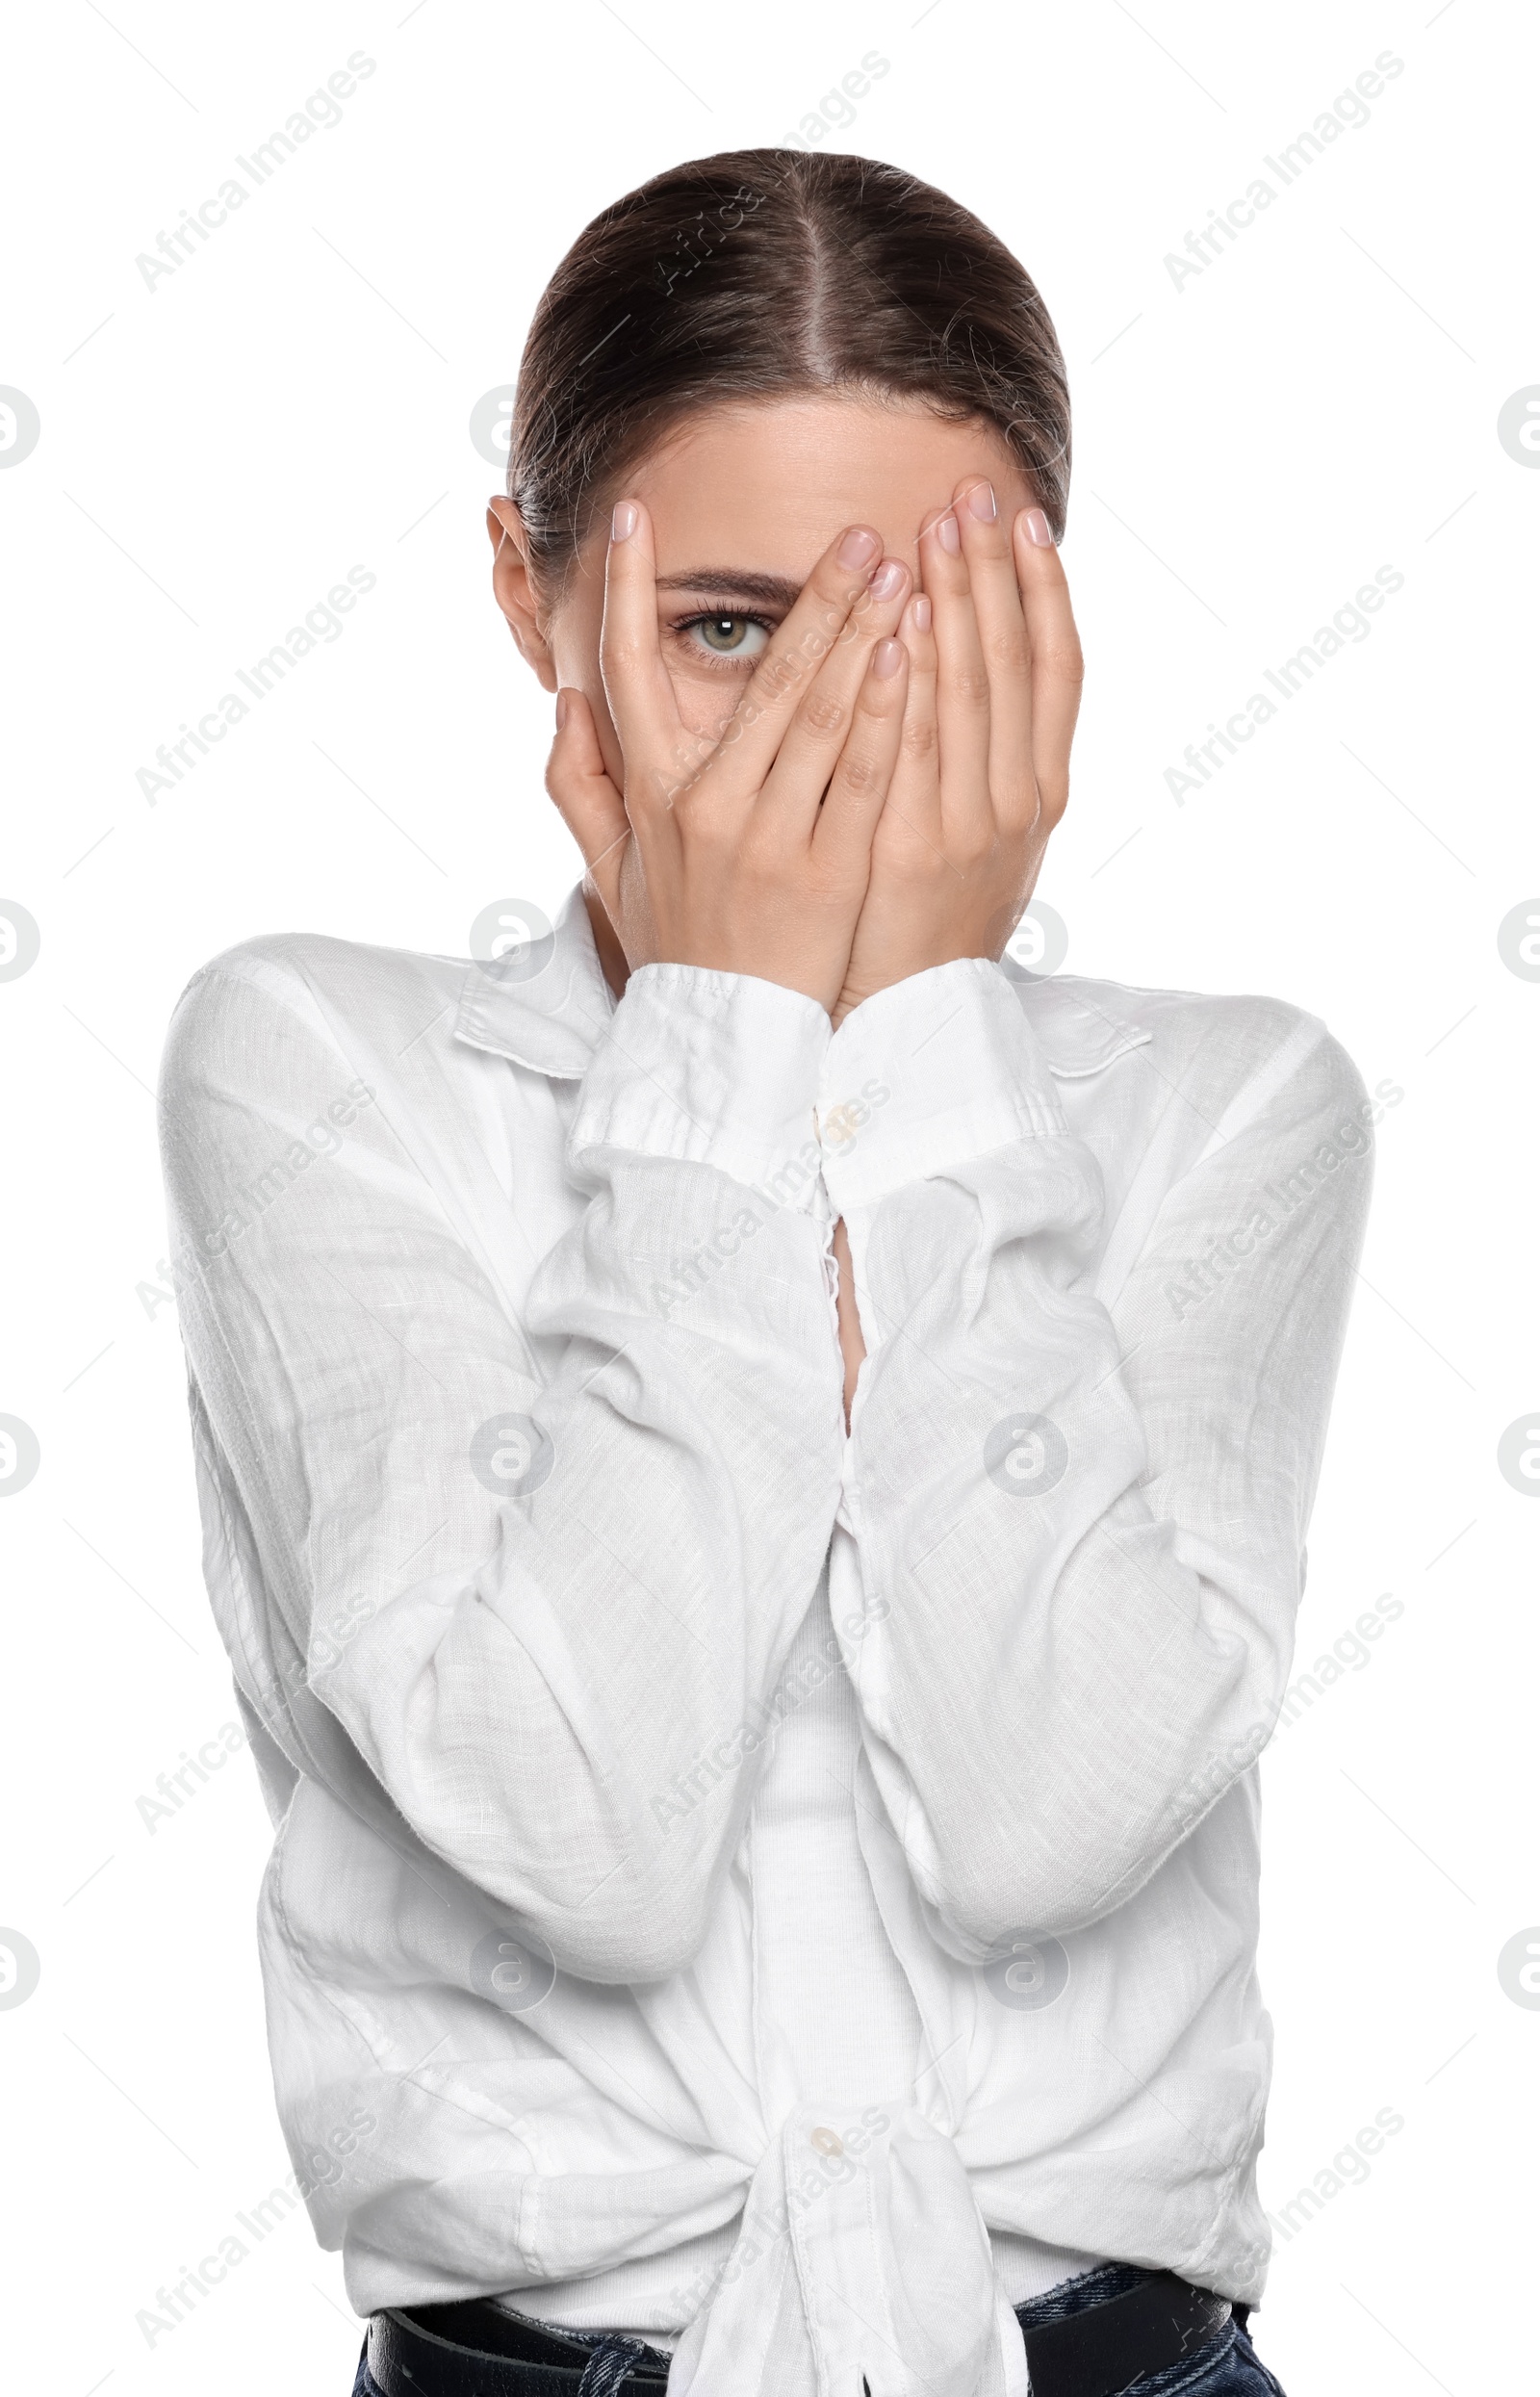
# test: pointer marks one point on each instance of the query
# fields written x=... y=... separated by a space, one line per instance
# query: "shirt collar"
x=547 y=1007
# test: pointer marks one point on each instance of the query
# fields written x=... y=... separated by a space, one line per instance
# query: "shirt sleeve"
x=540 y=1560
x=1086 y=1521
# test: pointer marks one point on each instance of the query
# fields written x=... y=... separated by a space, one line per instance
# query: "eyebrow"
x=737 y=583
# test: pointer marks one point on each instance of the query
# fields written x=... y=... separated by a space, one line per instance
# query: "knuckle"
x=918 y=740
x=822 y=712
x=1007 y=648
x=1062 y=659
x=857 y=772
x=968 y=685
x=973 y=846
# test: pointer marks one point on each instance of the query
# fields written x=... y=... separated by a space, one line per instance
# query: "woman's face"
x=743 y=501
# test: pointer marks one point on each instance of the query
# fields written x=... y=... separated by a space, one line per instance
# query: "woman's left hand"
x=984 y=772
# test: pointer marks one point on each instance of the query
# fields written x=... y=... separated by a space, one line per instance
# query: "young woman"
x=755 y=1458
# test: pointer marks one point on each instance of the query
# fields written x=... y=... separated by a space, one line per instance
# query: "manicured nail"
x=981 y=502
x=1037 y=530
x=623 y=524
x=948 y=535
x=922 y=612
x=858 y=548
x=886 y=659
x=561 y=712
x=888 y=579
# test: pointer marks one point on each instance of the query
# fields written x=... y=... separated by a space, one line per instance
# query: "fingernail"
x=623 y=524
x=887 y=579
x=948 y=535
x=858 y=548
x=1037 y=530
x=886 y=659
x=922 y=612
x=561 y=712
x=981 y=502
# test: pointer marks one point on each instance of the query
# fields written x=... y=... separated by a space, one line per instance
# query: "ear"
x=513 y=587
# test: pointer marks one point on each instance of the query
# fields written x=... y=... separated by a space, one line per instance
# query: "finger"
x=864 y=768
x=915 y=793
x=1002 y=629
x=1057 y=669
x=654 y=743
x=961 y=687
x=798 y=648
x=586 y=799
x=818 y=731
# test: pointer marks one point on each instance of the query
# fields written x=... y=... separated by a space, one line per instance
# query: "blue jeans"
x=1226 y=2365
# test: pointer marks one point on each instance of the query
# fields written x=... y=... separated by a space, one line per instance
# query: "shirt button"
x=828 y=2142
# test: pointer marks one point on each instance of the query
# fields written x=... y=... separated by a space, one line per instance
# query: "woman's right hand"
x=750 y=855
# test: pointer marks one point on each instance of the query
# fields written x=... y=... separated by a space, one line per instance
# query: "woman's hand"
x=751 y=854
x=984 y=772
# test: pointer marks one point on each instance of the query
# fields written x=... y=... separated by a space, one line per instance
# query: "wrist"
x=859 y=991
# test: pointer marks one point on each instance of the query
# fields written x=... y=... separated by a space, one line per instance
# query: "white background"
x=217 y=451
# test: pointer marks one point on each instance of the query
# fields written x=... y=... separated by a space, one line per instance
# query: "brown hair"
x=759 y=273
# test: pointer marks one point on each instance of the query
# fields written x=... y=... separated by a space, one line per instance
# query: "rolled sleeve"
x=931 y=1072
x=707 y=1069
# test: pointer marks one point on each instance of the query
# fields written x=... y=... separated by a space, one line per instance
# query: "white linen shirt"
x=792 y=1892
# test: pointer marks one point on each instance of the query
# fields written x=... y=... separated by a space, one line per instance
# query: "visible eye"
x=732 y=638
